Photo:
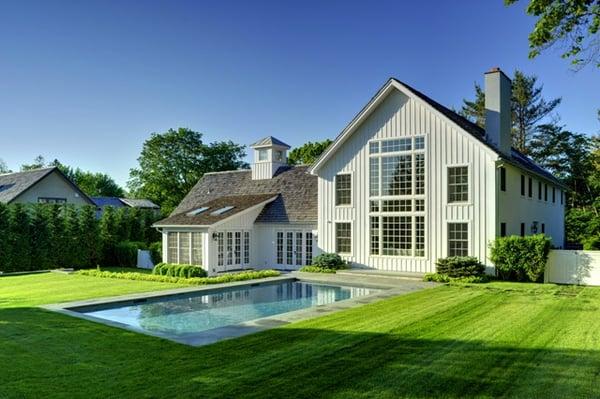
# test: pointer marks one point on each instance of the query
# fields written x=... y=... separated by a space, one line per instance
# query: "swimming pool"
x=182 y=315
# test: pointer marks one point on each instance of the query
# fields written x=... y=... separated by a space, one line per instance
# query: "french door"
x=233 y=250
x=294 y=248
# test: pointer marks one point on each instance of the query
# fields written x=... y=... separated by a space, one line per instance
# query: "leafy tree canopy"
x=573 y=24
x=171 y=163
x=4 y=167
x=308 y=153
x=93 y=184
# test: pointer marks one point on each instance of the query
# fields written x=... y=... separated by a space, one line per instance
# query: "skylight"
x=222 y=210
x=197 y=211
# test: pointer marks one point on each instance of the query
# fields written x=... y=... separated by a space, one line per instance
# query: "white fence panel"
x=144 y=260
x=573 y=267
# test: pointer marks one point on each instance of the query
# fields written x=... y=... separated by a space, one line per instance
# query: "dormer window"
x=279 y=156
x=263 y=155
x=221 y=211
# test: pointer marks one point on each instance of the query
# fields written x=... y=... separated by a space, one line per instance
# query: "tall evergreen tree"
x=4 y=234
x=40 y=238
x=72 y=237
x=18 y=238
x=108 y=235
x=89 y=233
x=474 y=110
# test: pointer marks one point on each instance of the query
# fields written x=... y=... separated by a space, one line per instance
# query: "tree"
x=4 y=167
x=88 y=226
x=93 y=184
x=171 y=163
x=528 y=106
x=573 y=23
x=308 y=153
x=38 y=163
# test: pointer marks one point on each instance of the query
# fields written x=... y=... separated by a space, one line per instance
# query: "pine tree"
x=108 y=236
x=40 y=238
x=18 y=239
x=89 y=236
x=475 y=110
x=72 y=242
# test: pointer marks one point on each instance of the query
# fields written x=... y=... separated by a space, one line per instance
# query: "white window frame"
x=190 y=248
x=469 y=184
x=335 y=194
x=350 y=222
x=262 y=151
x=469 y=236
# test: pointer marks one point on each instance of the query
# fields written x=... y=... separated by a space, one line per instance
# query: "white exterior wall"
x=514 y=208
x=266 y=169
x=445 y=145
x=266 y=241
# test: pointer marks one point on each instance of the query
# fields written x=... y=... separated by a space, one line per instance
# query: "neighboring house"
x=115 y=202
x=48 y=185
x=408 y=181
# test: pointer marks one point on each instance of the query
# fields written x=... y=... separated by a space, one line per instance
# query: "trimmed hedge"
x=444 y=278
x=329 y=261
x=520 y=258
x=156 y=252
x=225 y=278
x=173 y=270
x=126 y=253
x=460 y=266
x=316 y=269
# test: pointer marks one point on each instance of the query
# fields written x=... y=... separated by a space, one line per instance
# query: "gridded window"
x=184 y=248
x=458 y=239
x=280 y=248
x=230 y=248
x=196 y=248
x=262 y=155
x=458 y=184
x=238 y=247
x=374 y=147
x=279 y=156
x=289 y=248
x=172 y=247
x=374 y=232
x=299 y=248
x=419 y=143
x=309 y=249
x=246 y=247
x=419 y=174
x=396 y=235
x=396 y=145
x=51 y=200
x=374 y=206
x=220 y=249
x=404 y=205
x=419 y=235
x=374 y=176
x=396 y=175
x=343 y=238
x=343 y=189
x=419 y=205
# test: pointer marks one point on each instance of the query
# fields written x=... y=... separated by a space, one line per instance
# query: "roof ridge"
x=28 y=171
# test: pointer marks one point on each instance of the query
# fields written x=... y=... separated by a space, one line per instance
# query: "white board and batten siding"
x=573 y=267
x=445 y=145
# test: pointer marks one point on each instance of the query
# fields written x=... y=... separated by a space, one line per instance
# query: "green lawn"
x=492 y=340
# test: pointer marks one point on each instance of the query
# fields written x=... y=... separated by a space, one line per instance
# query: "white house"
x=408 y=181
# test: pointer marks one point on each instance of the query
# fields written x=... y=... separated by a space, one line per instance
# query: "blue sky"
x=87 y=82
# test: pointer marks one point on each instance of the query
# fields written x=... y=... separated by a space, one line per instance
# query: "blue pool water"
x=195 y=312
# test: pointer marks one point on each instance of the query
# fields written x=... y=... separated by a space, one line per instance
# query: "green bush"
x=224 y=278
x=444 y=278
x=316 y=269
x=126 y=253
x=520 y=258
x=460 y=266
x=156 y=252
x=330 y=261
x=591 y=243
x=183 y=271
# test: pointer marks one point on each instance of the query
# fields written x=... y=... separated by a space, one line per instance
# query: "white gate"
x=573 y=267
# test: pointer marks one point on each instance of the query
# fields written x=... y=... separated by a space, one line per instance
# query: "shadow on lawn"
x=51 y=355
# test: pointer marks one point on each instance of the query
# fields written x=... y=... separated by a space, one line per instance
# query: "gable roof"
x=12 y=185
x=296 y=192
x=239 y=204
x=269 y=141
x=108 y=201
x=516 y=158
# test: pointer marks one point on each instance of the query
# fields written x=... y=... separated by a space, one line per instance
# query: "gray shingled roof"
x=14 y=184
x=267 y=141
x=297 y=200
x=139 y=203
x=239 y=203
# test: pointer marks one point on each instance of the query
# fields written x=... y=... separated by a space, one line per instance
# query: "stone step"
x=382 y=274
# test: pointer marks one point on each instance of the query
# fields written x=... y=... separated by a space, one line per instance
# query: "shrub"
x=591 y=243
x=183 y=271
x=520 y=258
x=330 y=261
x=126 y=253
x=225 y=278
x=316 y=269
x=156 y=252
x=460 y=266
x=444 y=278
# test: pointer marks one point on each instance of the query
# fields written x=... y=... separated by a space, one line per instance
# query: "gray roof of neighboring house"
x=268 y=141
x=205 y=217
x=14 y=184
x=296 y=202
x=121 y=202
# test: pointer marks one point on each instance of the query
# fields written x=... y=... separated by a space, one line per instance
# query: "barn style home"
x=408 y=181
